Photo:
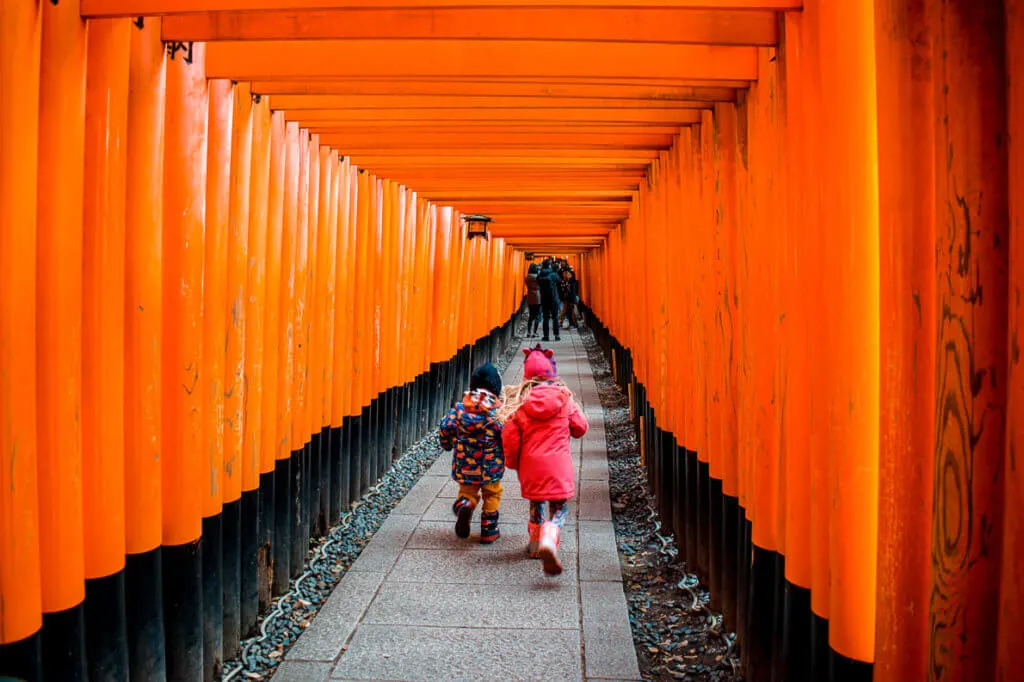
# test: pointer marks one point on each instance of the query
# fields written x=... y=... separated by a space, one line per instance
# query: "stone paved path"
x=420 y=604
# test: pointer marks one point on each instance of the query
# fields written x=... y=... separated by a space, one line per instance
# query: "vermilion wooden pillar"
x=181 y=457
x=284 y=507
x=143 y=346
x=59 y=328
x=220 y=613
x=103 y=270
x=851 y=283
x=20 y=587
x=972 y=235
x=906 y=180
x=1011 y=596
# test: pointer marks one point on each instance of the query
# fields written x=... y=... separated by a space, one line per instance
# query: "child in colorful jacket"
x=540 y=415
x=472 y=430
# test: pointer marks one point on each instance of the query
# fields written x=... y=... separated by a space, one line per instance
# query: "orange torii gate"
x=231 y=252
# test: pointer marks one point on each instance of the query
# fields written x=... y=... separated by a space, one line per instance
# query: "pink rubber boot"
x=531 y=549
x=547 y=549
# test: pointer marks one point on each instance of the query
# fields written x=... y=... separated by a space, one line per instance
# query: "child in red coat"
x=540 y=415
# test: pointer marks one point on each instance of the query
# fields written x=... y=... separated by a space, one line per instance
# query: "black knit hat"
x=486 y=376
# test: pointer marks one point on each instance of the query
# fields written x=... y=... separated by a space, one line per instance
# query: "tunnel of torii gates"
x=235 y=280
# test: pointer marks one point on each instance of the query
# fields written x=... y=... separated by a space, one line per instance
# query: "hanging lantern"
x=476 y=226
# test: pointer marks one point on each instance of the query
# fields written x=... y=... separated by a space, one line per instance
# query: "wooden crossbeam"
x=514 y=232
x=545 y=211
x=458 y=178
x=556 y=238
x=612 y=160
x=282 y=59
x=486 y=155
x=557 y=216
x=133 y=8
x=359 y=143
x=612 y=24
x=387 y=128
x=703 y=91
x=552 y=217
x=519 y=205
x=535 y=243
x=538 y=194
x=500 y=176
x=457 y=102
x=551 y=126
x=466 y=189
x=335 y=118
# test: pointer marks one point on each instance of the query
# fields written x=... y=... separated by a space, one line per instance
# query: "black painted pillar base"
x=63 y=645
x=305 y=510
x=250 y=561
x=692 y=518
x=703 y=520
x=843 y=669
x=282 y=547
x=760 y=624
x=354 y=457
x=401 y=409
x=372 y=444
x=22 y=660
x=389 y=416
x=323 y=515
x=408 y=416
x=743 y=574
x=345 y=459
x=731 y=540
x=778 y=617
x=383 y=433
x=183 y=611
x=715 y=539
x=667 y=467
x=381 y=430
x=265 y=523
x=417 y=416
x=144 y=611
x=679 y=517
x=299 y=541
x=820 y=651
x=796 y=632
x=213 y=598
x=231 y=576
x=365 y=450
x=316 y=484
x=106 y=633
x=339 y=484
x=430 y=396
x=427 y=382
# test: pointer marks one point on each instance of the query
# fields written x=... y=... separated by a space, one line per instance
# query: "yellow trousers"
x=491 y=493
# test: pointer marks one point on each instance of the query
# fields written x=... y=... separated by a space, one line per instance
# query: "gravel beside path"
x=676 y=637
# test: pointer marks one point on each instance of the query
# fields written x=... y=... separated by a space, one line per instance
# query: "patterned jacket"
x=473 y=431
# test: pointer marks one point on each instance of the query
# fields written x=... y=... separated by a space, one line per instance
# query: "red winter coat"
x=536 y=442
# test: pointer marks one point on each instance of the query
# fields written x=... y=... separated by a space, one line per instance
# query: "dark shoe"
x=558 y=338
x=463 y=509
x=489 y=528
x=547 y=339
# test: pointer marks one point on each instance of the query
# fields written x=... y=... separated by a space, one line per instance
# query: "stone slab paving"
x=421 y=604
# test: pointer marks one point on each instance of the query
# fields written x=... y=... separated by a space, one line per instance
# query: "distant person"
x=540 y=415
x=533 y=300
x=549 y=303
x=472 y=429
x=569 y=292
